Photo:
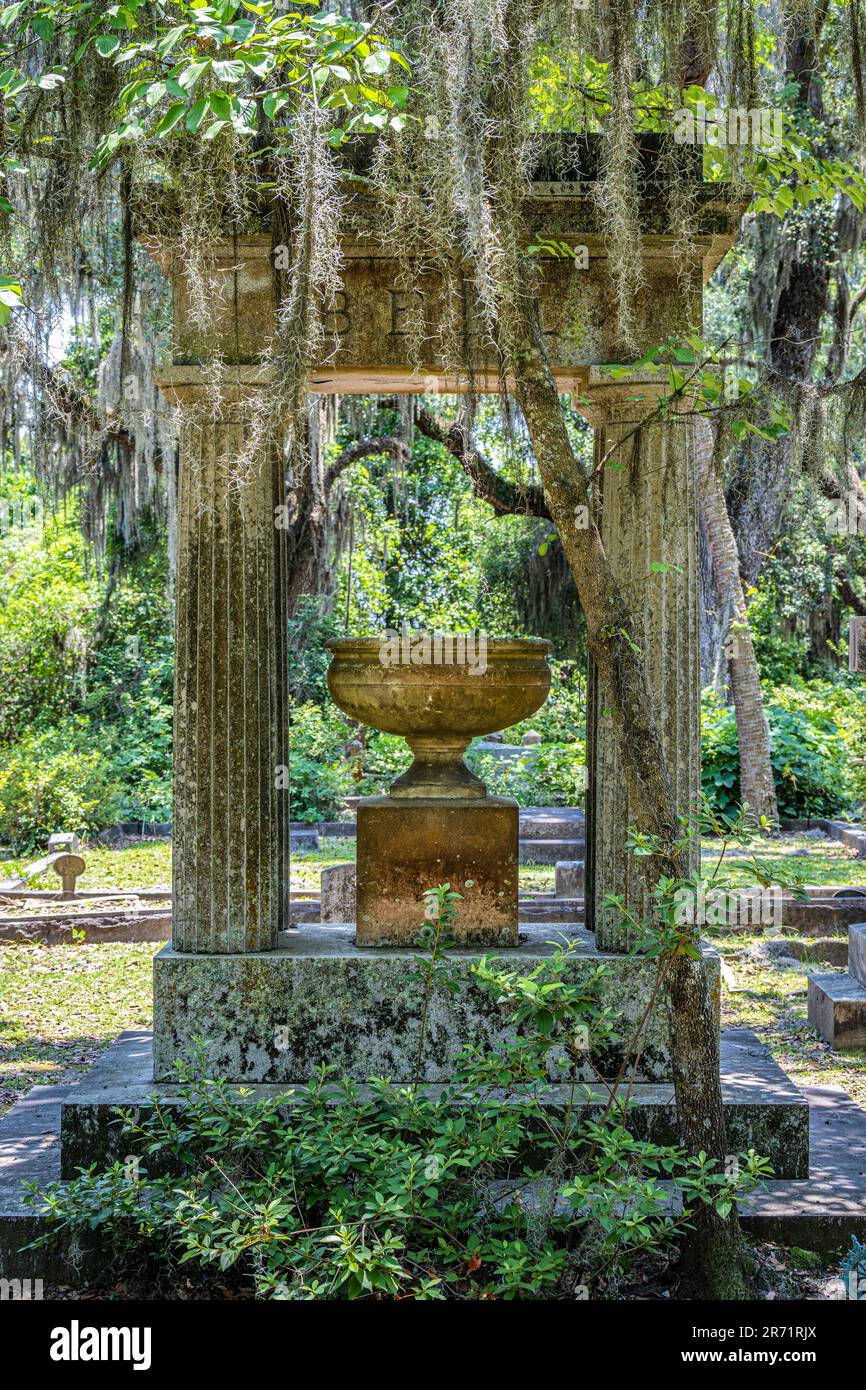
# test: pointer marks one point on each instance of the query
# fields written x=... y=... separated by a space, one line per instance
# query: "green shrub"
x=811 y=761
x=562 y=717
x=545 y=775
x=61 y=779
x=478 y=1191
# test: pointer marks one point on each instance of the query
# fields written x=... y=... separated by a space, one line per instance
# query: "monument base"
x=407 y=845
x=276 y=1016
x=57 y=1130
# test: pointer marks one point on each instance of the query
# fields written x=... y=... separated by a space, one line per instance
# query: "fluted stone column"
x=231 y=818
x=646 y=505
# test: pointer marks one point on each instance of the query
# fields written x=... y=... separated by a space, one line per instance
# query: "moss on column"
x=646 y=501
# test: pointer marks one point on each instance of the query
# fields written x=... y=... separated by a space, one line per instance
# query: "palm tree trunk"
x=756 y=770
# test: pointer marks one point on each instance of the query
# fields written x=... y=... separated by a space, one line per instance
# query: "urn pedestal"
x=438 y=824
x=405 y=847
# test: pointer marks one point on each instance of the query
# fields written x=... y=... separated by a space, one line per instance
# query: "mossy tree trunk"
x=713 y=1266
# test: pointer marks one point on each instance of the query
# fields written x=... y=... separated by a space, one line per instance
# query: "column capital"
x=619 y=400
x=212 y=386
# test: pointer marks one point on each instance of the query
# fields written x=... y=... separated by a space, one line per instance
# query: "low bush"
x=480 y=1191
x=58 y=779
x=811 y=755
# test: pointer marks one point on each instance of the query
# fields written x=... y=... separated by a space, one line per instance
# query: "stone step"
x=550 y=851
x=820 y=1212
x=763 y=1106
x=823 y=1213
x=570 y=878
x=544 y=829
x=565 y=910
x=837 y=1009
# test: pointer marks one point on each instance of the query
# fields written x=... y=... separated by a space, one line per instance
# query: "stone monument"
x=437 y=824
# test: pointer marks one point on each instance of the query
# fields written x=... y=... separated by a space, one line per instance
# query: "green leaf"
x=196 y=115
x=191 y=75
x=378 y=63
x=106 y=44
x=221 y=106
x=229 y=70
x=10 y=13
x=154 y=95
x=43 y=26
x=171 y=117
x=274 y=103
x=170 y=41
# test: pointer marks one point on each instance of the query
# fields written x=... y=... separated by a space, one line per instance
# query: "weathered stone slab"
x=837 y=1009
x=273 y=1017
x=367 y=347
x=570 y=878
x=816 y=917
x=368 y=343
x=550 y=851
x=857 y=951
x=819 y=916
x=64 y=839
x=763 y=1108
x=410 y=845
x=57 y=931
x=338 y=893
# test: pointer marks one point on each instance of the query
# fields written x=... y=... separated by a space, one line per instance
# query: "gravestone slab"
x=338 y=893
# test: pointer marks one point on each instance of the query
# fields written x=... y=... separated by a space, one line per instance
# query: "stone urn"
x=417 y=686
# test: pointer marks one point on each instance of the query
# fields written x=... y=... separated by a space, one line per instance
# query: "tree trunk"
x=310 y=515
x=756 y=770
x=789 y=294
x=713 y=1266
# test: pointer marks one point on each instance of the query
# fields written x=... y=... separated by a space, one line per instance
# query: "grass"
x=145 y=864
x=770 y=998
x=61 y=1006
x=818 y=862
